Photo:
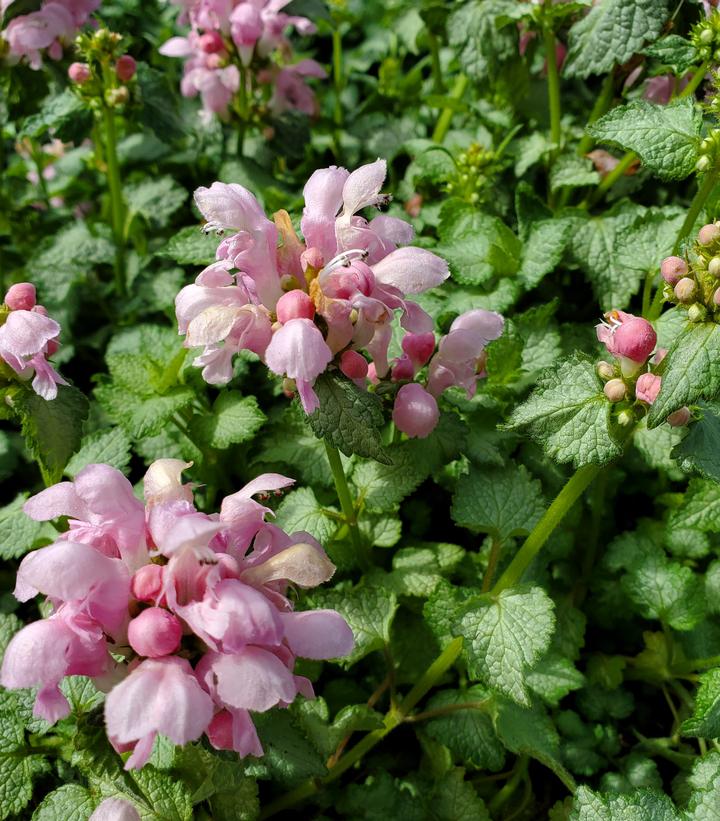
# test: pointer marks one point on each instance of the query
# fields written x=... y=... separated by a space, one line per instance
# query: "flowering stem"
x=696 y=79
x=613 y=177
x=571 y=492
x=338 y=80
x=696 y=206
x=346 y=503
x=553 y=78
x=446 y=115
x=602 y=103
x=117 y=207
x=393 y=718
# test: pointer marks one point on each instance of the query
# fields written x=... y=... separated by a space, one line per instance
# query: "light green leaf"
x=473 y=33
x=109 y=447
x=505 y=635
x=289 y=757
x=348 y=418
x=569 y=415
x=503 y=502
x=468 y=734
x=18 y=770
x=233 y=419
x=71 y=802
x=418 y=571
x=553 y=677
x=571 y=171
x=665 y=137
x=705 y=720
x=368 y=610
x=640 y=805
x=611 y=33
x=190 y=246
x=300 y=510
x=18 y=532
x=52 y=429
x=454 y=799
x=155 y=199
x=675 y=52
x=700 y=508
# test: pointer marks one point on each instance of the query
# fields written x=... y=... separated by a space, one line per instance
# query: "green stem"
x=338 y=79
x=347 y=506
x=602 y=104
x=505 y=794
x=696 y=206
x=446 y=115
x=117 y=207
x=553 y=78
x=695 y=80
x=438 y=85
x=491 y=565
x=393 y=718
x=612 y=177
x=571 y=492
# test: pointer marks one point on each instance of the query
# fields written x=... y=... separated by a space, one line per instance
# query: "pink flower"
x=159 y=696
x=291 y=92
x=647 y=387
x=79 y=73
x=415 y=411
x=25 y=341
x=21 y=297
x=115 y=809
x=125 y=68
x=627 y=336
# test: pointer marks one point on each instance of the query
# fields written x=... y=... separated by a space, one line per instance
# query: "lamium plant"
x=360 y=403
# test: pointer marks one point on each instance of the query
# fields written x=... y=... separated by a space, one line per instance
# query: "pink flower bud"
x=679 y=418
x=647 y=387
x=20 y=297
x=716 y=297
x=311 y=258
x=708 y=233
x=51 y=347
x=79 y=73
x=214 y=61
x=714 y=267
x=605 y=370
x=125 y=68
x=635 y=339
x=685 y=290
x=41 y=309
x=615 y=390
x=660 y=354
x=372 y=374
x=353 y=365
x=415 y=412
x=146 y=584
x=673 y=269
x=294 y=305
x=403 y=369
x=419 y=347
x=211 y=42
x=154 y=633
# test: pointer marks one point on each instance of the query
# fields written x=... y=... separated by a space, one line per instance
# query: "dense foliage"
x=360 y=367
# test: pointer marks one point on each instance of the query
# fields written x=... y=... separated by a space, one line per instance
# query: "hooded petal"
x=318 y=634
x=362 y=187
x=230 y=207
x=298 y=350
x=163 y=482
x=26 y=333
x=301 y=564
x=411 y=270
x=57 y=500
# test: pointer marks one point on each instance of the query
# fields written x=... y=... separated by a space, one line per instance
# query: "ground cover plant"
x=360 y=438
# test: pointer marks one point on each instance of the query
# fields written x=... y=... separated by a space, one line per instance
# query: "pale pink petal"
x=362 y=187
x=298 y=350
x=411 y=270
x=115 y=809
x=27 y=332
x=57 y=500
x=318 y=634
x=230 y=207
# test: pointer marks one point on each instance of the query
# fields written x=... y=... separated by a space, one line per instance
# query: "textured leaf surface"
x=233 y=419
x=700 y=449
x=705 y=720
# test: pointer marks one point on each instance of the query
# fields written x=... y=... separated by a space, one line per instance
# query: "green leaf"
x=705 y=720
x=71 y=802
x=18 y=532
x=700 y=508
x=503 y=502
x=233 y=419
x=691 y=371
x=610 y=33
x=348 y=418
x=553 y=677
x=569 y=415
x=478 y=246
x=543 y=249
x=454 y=799
x=18 y=770
x=531 y=732
x=665 y=137
x=190 y=246
x=52 y=429
x=700 y=449
x=640 y=805
x=109 y=447
x=675 y=53
x=505 y=635
x=418 y=571
x=289 y=757
x=158 y=110
x=468 y=734
x=300 y=511
x=480 y=46
x=571 y=171
x=155 y=199
x=9 y=625
x=65 y=114
x=368 y=610
x=143 y=416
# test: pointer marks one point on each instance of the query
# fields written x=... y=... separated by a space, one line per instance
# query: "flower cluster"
x=48 y=30
x=695 y=282
x=306 y=306
x=631 y=380
x=234 y=48
x=183 y=617
x=27 y=337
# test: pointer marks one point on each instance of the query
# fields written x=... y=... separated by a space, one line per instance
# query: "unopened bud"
x=311 y=258
x=51 y=347
x=708 y=233
x=714 y=266
x=673 y=269
x=605 y=370
x=353 y=365
x=21 y=296
x=155 y=633
x=125 y=68
x=679 y=418
x=354 y=316
x=211 y=42
x=117 y=96
x=415 y=411
x=79 y=73
x=294 y=305
x=703 y=163
x=146 y=584
x=716 y=297
x=615 y=390
x=685 y=290
x=288 y=386
x=625 y=418
x=706 y=36
x=697 y=312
